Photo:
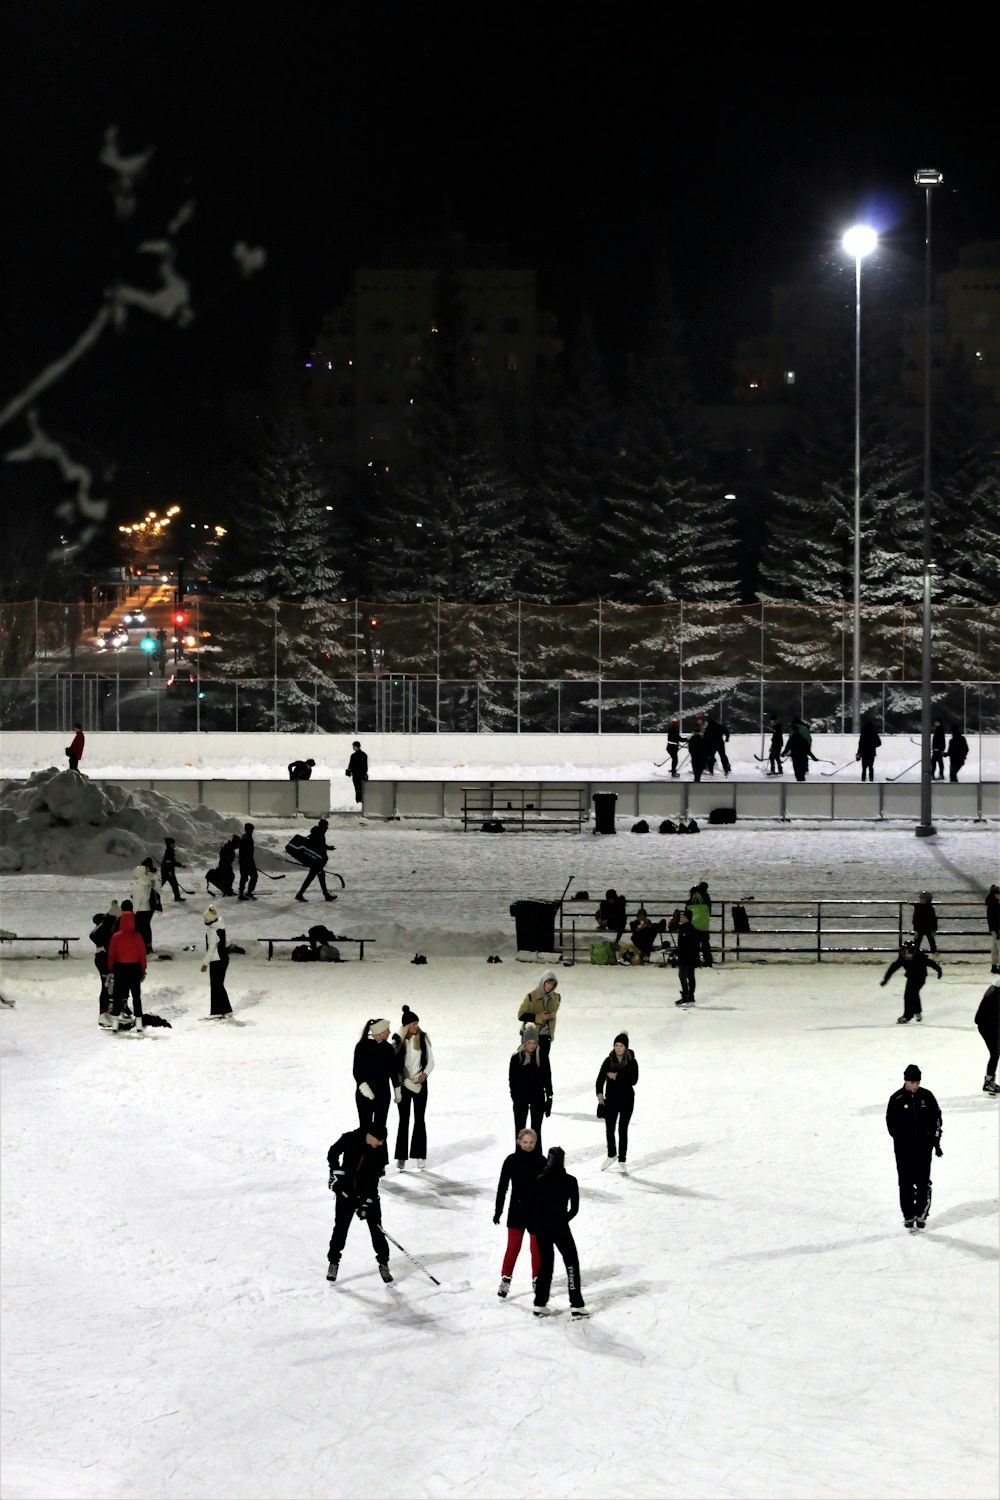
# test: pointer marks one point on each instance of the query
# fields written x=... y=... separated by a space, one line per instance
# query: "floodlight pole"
x=927 y=178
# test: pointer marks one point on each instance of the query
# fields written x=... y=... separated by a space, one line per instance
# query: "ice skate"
x=400 y=1165
x=990 y=1085
x=542 y=1312
x=909 y=1223
x=622 y=1169
x=919 y=1016
x=108 y=1023
x=920 y=1223
x=902 y=1020
x=581 y=1312
x=504 y=1286
x=384 y=1272
x=609 y=1161
x=332 y=1267
x=138 y=1029
x=420 y=1162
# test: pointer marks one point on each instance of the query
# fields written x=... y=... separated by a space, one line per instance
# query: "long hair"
x=366 y=1028
x=555 y=1165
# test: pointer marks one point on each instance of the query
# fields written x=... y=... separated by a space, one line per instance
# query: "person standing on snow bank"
x=300 y=770
x=376 y=1073
x=74 y=750
x=520 y=1173
x=913 y=1119
x=248 y=864
x=555 y=1201
x=169 y=865
x=415 y=1060
x=868 y=743
x=216 y=962
x=988 y=1026
x=958 y=753
x=914 y=965
x=616 y=1080
x=127 y=969
x=356 y=1162
x=357 y=768
x=530 y=1081
x=539 y=1008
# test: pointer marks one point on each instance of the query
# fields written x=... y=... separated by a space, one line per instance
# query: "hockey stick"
x=840 y=768
x=903 y=771
x=409 y=1256
x=272 y=877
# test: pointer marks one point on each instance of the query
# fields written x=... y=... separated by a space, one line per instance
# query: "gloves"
x=548 y=1108
x=412 y=1085
x=496 y=1218
x=334 y=1180
x=366 y=1089
x=397 y=1094
x=363 y=1208
x=938 y=1151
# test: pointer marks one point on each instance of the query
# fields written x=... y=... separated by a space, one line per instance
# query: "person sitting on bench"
x=611 y=914
x=644 y=934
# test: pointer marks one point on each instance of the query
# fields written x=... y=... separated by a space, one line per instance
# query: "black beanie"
x=408 y=1016
x=911 y=1073
x=623 y=1038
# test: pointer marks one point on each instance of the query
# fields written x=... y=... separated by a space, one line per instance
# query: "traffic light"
x=148 y=643
x=373 y=621
x=180 y=618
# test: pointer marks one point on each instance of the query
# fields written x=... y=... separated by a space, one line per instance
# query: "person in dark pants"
x=315 y=851
x=300 y=770
x=715 y=737
x=697 y=752
x=868 y=743
x=530 y=1079
x=938 y=741
x=105 y=925
x=925 y=921
x=520 y=1173
x=555 y=1201
x=357 y=769
x=674 y=742
x=988 y=1026
x=798 y=748
x=216 y=962
x=169 y=865
x=376 y=1074
x=958 y=753
x=612 y=914
x=74 y=750
x=913 y=1119
x=248 y=864
x=687 y=957
x=774 y=749
x=415 y=1060
x=699 y=906
x=914 y=965
x=145 y=899
x=127 y=968
x=356 y=1162
x=223 y=877
x=616 y=1080
x=644 y=934
x=992 y=904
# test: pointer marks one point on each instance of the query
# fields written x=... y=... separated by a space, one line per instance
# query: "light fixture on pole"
x=928 y=178
x=859 y=242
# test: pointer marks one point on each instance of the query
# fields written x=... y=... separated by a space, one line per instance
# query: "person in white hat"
x=216 y=962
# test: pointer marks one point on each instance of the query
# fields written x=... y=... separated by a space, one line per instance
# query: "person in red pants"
x=519 y=1172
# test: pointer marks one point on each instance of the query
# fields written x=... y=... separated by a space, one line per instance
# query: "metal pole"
x=197 y=659
x=925 y=827
x=856 y=676
x=35 y=655
x=274 y=663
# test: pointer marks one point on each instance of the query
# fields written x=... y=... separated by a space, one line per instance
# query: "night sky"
x=321 y=130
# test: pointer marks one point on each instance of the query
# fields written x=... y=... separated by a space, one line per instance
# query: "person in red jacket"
x=127 y=965
x=74 y=750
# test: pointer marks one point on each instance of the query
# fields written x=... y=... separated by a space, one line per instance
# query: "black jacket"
x=519 y=1172
x=316 y=840
x=168 y=864
x=555 y=1200
x=645 y=937
x=698 y=750
x=227 y=855
x=376 y=1064
x=988 y=1014
x=776 y=736
x=530 y=1081
x=714 y=736
x=913 y=1119
x=938 y=739
x=674 y=736
x=958 y=748
x=247 y=858
x=868 y=741
x=357 y=766
x=298 y=770
x=993 y=913
x=613 y=913
x=688 y=945
x=625 y=1078
x=361 y=1164
x=914 y=968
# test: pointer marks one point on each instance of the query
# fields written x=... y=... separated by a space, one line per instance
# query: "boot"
x=504 y=1286
x=990 y=1085
x=113 y=1025
x=384 y=1272
x=138 y=1029
x=332 y=1267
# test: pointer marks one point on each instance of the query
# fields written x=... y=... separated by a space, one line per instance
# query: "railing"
x=814 y=929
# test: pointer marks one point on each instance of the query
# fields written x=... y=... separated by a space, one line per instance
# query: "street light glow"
x=860 y=240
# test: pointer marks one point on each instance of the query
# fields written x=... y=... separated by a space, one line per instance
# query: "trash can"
x=535 y=923
x=604 y=811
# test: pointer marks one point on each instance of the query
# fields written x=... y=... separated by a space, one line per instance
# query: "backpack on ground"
x=692 y=827
x=668 y=826
x=722 y=815
x=603 y=953
x=641 y=827
x=492 y=825
x=303 y=954
x=741 y=922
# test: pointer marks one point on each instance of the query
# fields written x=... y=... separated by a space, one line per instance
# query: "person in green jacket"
x=699 y=907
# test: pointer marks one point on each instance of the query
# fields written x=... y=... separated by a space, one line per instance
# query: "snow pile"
x=62 y=821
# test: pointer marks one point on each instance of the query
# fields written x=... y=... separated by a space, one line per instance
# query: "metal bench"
x=63 y=942
x=302 y=938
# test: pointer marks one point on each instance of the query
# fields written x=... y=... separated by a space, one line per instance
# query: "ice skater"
x=925 y=922
x=216 y=962
x=699 y=906
x=356 y=1162
x=697 y=752
x=992 y=904
x=868 y=743
x=314 y=852
x=958 y=753
x=74 y=750
x=539 y=1008
x=376 y=1075
x=913 y=1119
x=616 y=1080
x=674 y=742
x=798 y=748
x=145 y=895
x=914 y=965
x=126 y=969
x=357 y=769
x=248 y=864
x=414 y=1060
x=939 y=739
x=520 y=1173
x=688 y=944
x=530 y=1079
x=105 y=926
x=714 y=736
x=774 y=749
x=169 y=865
x=988 y=1026
x=554 y=1202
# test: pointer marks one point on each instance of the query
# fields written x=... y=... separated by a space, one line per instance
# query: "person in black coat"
x=868 y=743
x=223 y=877
x=169 y=865
x=715 y=737
x=688 y=949
x=938 y=741
x=616 y=1080
x=554 y=1202
x=914 y=965
x=356 y=1162
x=105 y=925
x=674 y=742
x=644 y=934
x=925 y=921
x=958 y=753
x=697 y=752
x=316 y=850
x=530 y=1079
x=612 y=914
x=774 y=749
x=798 y=748
x=988 y=1026
x=248 y=864
x=913 y=1119
x=992 y=904
x=300 y=770
x=519 y=1172
x=357 y=769
x=376 y=1073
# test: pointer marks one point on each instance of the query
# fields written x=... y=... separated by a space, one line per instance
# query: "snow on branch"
x=83 y=504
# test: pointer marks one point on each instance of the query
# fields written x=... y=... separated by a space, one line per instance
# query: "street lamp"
x=859 y=241
x=928 y=178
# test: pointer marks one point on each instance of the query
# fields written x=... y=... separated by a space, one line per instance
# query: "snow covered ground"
x=762 y=1324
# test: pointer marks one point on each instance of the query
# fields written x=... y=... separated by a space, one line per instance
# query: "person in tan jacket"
x=539 y=1007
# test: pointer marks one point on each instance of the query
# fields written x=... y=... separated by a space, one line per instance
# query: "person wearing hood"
x=216 y=962
x=145 y=896
x=169 y=865
x=616 y=1080
x=554 y=1202
x=74 y=750
x=519 y=1173
x=105 y=926
x=415 y=1060
x=913 y=1119
x=300 y=770
x=798 y=748
x=714 y=737
x=356 y=1163
x=925 y=922
x=530 y=1080
x=376 y=1074
x=697 y=751
x=539 y=1008
x=914 y=965
x=248 y=864
x=992 y=905
x=127 y=969
x=687 y=943
x=868 y=743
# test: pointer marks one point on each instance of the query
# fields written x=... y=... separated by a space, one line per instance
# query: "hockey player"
x=313 y=854
x=248 y=864
x=914 y=965
x=913 y=1119
x=674 y=742
x=356 y=1162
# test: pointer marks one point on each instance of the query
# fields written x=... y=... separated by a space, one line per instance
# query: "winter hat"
x=408 y=1016
x=150 y=864
x=622 y=1037
x=378 y=1026
x=126 y=906
x=529 y=1034
x=210 y=915
x=98 y=917
x=911 y=1073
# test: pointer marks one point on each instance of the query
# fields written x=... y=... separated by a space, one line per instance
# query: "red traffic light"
x=373 y=621
x=180 y=618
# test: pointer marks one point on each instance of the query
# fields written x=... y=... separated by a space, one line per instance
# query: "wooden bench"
x=64 y=942
x=270 y=941
x=520 y=808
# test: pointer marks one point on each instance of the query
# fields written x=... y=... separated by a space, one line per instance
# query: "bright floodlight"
x=861 y=240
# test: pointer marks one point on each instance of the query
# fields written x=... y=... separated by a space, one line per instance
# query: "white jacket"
x=410 y=1057
x=143 y=881
x=214 y=937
